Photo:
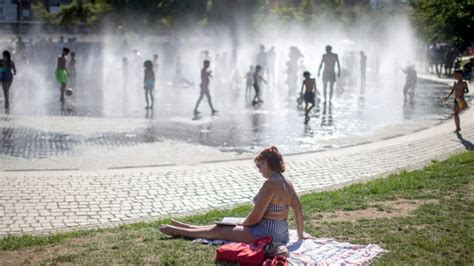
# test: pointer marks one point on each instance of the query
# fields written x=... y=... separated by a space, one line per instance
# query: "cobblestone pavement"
x=49 y=201
x=43 y=202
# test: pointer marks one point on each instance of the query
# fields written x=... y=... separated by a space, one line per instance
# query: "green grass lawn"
x=420 y=217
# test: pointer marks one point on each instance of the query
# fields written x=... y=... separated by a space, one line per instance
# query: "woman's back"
x=283 y=193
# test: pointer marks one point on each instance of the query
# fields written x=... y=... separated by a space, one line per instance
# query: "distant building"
x=8 y=11
x=388 y=5
x=15 y=11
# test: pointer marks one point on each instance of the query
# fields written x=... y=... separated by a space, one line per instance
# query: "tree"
x=77 y=13
x=448 y=21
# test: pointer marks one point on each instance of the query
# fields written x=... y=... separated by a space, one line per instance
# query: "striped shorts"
x=277 y=229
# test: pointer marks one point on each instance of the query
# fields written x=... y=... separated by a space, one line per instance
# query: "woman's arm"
x=298 y=209
x=264 y=198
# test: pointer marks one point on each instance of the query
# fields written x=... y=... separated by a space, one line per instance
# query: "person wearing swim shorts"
x=309 y=94
x=61 y=72
x=269 y=216
x=459 y=89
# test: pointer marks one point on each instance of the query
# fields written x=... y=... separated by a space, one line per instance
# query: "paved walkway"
x=44 y=202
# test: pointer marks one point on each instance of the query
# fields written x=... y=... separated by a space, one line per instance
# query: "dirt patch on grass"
x=63 y=252
x=32 y=256
x=470 y=189
x=376 y=210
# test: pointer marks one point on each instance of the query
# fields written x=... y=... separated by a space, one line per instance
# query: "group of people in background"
x=262 y=71
x=444 y=56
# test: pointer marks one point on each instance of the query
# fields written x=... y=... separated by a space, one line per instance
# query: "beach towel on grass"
x=321 y=251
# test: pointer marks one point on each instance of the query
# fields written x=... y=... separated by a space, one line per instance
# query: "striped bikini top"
x=273 y=207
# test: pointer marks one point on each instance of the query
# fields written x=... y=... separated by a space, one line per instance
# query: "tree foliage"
x=77 y=13
x=450 y=21
x=441 y=20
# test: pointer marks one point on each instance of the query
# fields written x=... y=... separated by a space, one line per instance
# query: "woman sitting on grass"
x=269 y=216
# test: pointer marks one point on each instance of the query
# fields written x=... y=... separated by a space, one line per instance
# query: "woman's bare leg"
x=216 y=232
x=185 y=225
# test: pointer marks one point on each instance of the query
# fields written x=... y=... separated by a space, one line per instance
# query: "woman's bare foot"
x=168 y=230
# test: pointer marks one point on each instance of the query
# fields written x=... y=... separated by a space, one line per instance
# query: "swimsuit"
x=61 y=76
x=149 y=84
x=277 y=229
x=7 y=75
x=309 y=97
x=329 y=76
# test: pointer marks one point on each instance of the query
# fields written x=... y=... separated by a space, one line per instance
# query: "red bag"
x=276 y=261
x=242 y=253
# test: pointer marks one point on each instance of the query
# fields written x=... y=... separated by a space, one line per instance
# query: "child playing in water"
x=61 y=72
x=459 y=88
x=410 y=83
x=205 y=79
x=149 y=83
x=256 y=85
x=71 y=70
x=249 y=81
x=309 y=94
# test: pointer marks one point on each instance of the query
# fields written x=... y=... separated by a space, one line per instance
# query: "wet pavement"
x=355 y=112
x=39 y=202
x=35 y=202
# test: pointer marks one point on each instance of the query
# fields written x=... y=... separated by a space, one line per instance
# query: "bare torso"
x=309 y=85
x=459 y=89
x=61 y=62
x=329 y=60
x=205 y=75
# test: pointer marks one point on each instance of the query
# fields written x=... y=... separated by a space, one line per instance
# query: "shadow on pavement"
x=467 y=144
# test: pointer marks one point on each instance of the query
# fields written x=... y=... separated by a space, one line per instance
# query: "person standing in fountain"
x=262 y=59
x=249 y=82
x=410 y=83
x=124 y=76
x=72 y=71
x=329 y=59
x=256 y=85
x=149 y=83
x=155 y=63
x=61 y=73
x=205 y=76
x=271 y=56
x=363 y=67
x=8 y=70
x=459 y=89
x=309 y=94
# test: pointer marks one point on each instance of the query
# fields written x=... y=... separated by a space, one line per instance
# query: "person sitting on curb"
x=269 y=216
